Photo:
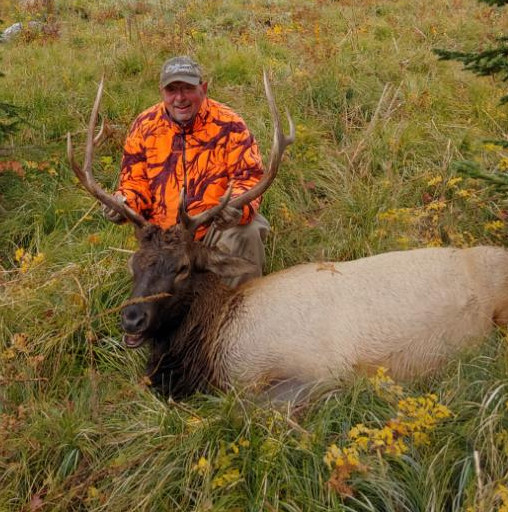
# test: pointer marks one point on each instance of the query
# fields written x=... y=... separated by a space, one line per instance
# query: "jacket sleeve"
x=245 y=168
x=134 y=184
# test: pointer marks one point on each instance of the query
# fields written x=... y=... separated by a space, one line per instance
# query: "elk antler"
x=84 y=174
x=192 y=222
x=280 y=142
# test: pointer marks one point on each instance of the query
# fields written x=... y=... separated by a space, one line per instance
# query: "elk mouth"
x=134 y=340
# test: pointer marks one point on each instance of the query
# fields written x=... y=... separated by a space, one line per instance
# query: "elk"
x=408 y=311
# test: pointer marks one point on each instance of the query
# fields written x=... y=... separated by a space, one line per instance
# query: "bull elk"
x=408 y=311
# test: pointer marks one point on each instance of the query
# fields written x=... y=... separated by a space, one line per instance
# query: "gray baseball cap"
x=180 y=69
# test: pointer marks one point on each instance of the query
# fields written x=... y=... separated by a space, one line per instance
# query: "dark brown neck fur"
x=188 y=359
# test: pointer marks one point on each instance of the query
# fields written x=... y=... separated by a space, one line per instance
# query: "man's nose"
x=180 y=94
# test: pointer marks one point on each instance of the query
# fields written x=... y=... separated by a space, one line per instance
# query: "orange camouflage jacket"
x=217 y=150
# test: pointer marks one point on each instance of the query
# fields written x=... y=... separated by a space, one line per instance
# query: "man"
x=191 y=139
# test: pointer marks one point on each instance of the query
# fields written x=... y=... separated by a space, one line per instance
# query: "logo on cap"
x=180 y=69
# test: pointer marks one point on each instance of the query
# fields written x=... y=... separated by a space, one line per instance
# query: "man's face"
x=183 y=100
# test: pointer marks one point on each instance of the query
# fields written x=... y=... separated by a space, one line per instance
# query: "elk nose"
x=134 y=319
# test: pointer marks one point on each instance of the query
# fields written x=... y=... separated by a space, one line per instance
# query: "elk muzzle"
x=135 y=322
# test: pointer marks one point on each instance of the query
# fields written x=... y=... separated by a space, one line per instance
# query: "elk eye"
x=181 y=273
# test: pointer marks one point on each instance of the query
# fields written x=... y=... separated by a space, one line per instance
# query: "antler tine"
x=280 y=143
x=84 y=173
x=192 y=223
x=90 y=137
x=102 y=133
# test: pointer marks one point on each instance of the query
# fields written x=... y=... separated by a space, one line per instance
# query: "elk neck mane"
x=188 y=358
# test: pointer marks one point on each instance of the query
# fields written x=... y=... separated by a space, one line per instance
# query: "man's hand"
x=111 y=214
x=228 y=217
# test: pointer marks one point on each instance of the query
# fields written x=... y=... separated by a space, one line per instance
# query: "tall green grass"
x=379 y=122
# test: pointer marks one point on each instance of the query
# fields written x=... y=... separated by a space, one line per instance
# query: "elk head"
x=169 y=264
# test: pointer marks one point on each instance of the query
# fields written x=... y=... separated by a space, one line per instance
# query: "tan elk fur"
x=407 y=311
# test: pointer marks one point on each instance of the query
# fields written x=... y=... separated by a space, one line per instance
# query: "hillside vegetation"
x=380 y=122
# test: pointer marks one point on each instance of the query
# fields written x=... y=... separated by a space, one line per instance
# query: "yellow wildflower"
x=244 y=443
x=396 y=214
x=421 y=439
x=398 y=427
x=202 y=467
x=31 y=165
x=435 y=206
x=337 y=457
x=38 y=258
x=276 y=33
x=463 y=193
x=94 y=239
x=25 y=263
x=92 y=493
x=20 y=342
x=380 y=233
x=436 y=180
x=194 y=422
x=495 y=225
x=383 y=384
x=502 y=494
x=331 y=455
x=19 y=253
x=271 y=447
x=422 y=413
x=453 y=181
x=224 y=459
x=435 y=242
x=350 y=457
x=397 y=448
x=229 y=478
x=416 y=417
x=403 y=242
x=286 y=213
x=27 y=260
x=503 y=164
x=489 y=146
x=7 y=354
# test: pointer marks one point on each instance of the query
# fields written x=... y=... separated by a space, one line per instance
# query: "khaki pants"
x=245 y=241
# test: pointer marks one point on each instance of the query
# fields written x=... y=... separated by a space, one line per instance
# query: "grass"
x=380 y=122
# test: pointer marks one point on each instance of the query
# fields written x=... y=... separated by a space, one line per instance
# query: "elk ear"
x=222 y=264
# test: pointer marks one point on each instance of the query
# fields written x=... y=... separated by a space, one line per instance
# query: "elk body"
x=315 y=323
x=408 y=311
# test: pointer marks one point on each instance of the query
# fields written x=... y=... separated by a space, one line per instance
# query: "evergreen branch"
x=483 y=63
x=499 y=3
x=473 y=170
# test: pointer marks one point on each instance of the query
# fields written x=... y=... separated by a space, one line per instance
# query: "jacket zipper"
x=184 y=166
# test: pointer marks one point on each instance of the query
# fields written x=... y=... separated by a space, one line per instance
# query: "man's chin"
x=134 y=340
x=182 y=117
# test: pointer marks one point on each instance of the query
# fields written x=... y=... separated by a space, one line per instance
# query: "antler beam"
x=84 y=173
